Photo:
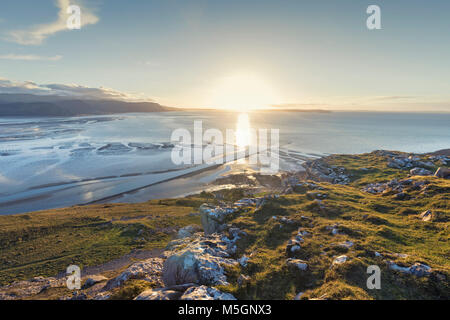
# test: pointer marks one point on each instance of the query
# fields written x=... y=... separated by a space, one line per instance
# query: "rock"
x=346 y=244
x=400 y=196
x=159 y=294
x=198 y=261
x=311 y=195
x=417 y=269
x=297 y=264
x=293 y=245
x=442 y=173
x=212 y=217
x=250 y=202
x=187 y=231
x=93 y=280
x=28 y=288
x=243 y=261
x=420 y=172
x=242 y=280
x=298 y=296
x=392 y=164
x=104 y=295
x=78 y=296
x=205 y=293
x=149 y=270
x=420 y=270
x=340 y=260
x=426 y=215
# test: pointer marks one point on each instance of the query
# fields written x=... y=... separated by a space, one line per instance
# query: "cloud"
x=29 y=57
x=37 y=34
x=67 y=90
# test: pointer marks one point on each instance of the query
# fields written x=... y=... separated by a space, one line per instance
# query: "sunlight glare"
x=243 y=92
x=243 y=131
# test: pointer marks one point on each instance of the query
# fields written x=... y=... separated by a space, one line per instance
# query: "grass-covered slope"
x=44 y=243
x=372 y=222
x=380 y=227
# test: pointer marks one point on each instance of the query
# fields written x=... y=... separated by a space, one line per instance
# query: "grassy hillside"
x=380 y=227
x=373 y=223
x=44 y=243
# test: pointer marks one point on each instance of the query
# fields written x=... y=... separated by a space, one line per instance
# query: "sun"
x=242 y=92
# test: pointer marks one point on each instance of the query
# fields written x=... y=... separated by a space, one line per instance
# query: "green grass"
x=371 y=222
x=45 y=243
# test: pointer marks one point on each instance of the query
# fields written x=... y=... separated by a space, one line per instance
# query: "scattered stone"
x=346 y=244
x=426 y=215
x=250 y=202
x=297 y=264
x=293 y=245
x=319 y=170
x=340 y=260
x=205 y=293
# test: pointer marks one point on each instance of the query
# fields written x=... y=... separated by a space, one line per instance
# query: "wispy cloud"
x=29 y=57
x=37 y=34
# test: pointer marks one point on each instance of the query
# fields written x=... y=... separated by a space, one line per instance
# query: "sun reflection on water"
x=243 y=133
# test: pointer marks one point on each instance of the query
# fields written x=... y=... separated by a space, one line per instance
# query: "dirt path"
x=118 y=263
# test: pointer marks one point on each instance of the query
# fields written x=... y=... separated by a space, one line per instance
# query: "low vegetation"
x=335 y=220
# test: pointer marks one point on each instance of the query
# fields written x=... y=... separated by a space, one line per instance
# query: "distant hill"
x=34 y=105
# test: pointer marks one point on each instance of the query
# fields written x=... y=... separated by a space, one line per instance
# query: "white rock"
x=297 y=263
x=340 y=260
x=205 y=293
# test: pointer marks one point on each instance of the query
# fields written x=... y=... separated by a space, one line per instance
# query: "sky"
x=233 y=54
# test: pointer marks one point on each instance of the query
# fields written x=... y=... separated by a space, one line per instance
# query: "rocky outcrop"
x=398 y=160
x=188 y=231
x=199 y=260
x=148 y=270
x=394 y=187
x=420 y=172
x=28 y=288
x=213 y=217
x=319 y=170
x=417 y=269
